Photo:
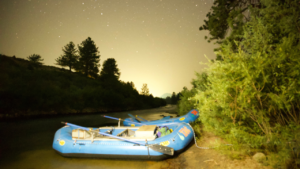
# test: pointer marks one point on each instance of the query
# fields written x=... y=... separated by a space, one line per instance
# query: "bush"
x=253 y=98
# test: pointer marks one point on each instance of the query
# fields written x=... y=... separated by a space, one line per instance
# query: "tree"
x=185 y=104
x=145 y=90
x=35 y=59
x=70 y=57
x=174 y=98
x=253 y=94
x=228 y=16
x=132 y=85
x=89 y=58
x=110 y=70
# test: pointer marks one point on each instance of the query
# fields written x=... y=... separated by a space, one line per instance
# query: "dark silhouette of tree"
x=110 y=70
x=173 y=98
x=69 y=58
x=89 y=58
x=178 y=97
x=168 y=100
x=36 y=60
x=145 y=90
x=228 y=16
x=132 y=85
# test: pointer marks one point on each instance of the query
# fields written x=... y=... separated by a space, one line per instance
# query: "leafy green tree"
x=89 y=58
x=145 y=90
x=185 y=103
x=110 y=70
x=253 y=98
x=69 y=58
x=35 y=59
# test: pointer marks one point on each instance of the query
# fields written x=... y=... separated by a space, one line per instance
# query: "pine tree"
x=110 y=70
x=173 y=98
x=89 y=58
x=69 y=58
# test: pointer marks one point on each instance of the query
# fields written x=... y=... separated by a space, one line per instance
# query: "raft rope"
x=203 y=147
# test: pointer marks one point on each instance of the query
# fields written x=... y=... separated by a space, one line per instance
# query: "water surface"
x=27 y=144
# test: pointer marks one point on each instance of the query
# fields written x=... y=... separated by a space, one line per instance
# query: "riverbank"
x=28 y=146
x=194 y=157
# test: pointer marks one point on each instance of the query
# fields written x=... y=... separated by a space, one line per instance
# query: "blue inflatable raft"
x=122 y=142
x=191 y=116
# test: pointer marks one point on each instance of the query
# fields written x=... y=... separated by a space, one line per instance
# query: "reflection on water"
x=27 y=144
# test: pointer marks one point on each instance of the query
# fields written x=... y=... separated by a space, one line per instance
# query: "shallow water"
x=27 y=144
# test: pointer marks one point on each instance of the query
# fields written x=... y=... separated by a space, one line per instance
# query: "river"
x=27 y=144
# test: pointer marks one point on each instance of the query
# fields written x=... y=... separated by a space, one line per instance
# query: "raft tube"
x=191 y=116
x=107 y=147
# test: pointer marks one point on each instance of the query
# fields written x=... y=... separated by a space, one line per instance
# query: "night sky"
x=157 y=42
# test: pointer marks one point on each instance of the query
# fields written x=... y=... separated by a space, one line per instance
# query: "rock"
x=259 y=157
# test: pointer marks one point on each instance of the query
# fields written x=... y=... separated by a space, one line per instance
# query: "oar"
x=114 y=118
x=155 y=147
x=141 y=118
x=161 y=124
x=133 y=117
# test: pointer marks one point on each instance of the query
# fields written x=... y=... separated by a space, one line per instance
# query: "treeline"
x=173 y=99
x=250 y=95
x=28 y=88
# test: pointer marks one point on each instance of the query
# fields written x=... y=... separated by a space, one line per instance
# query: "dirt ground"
x=194 y=157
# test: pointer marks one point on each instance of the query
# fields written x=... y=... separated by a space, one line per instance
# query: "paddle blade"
x=162 y=149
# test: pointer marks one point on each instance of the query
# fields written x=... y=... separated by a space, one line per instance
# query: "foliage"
x=253 y=94
x=173 y=98
x=227 y=18
x=36 y=60
x=110 y=70
x=186 y=103
x=145 y=90
x=168 y=100
x=70 y=57
x=51 y=90
x=89 y=58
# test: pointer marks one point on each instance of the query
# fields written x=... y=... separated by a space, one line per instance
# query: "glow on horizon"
x=154 y=42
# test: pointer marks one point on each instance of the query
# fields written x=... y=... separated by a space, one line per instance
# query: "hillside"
x=27 y=90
